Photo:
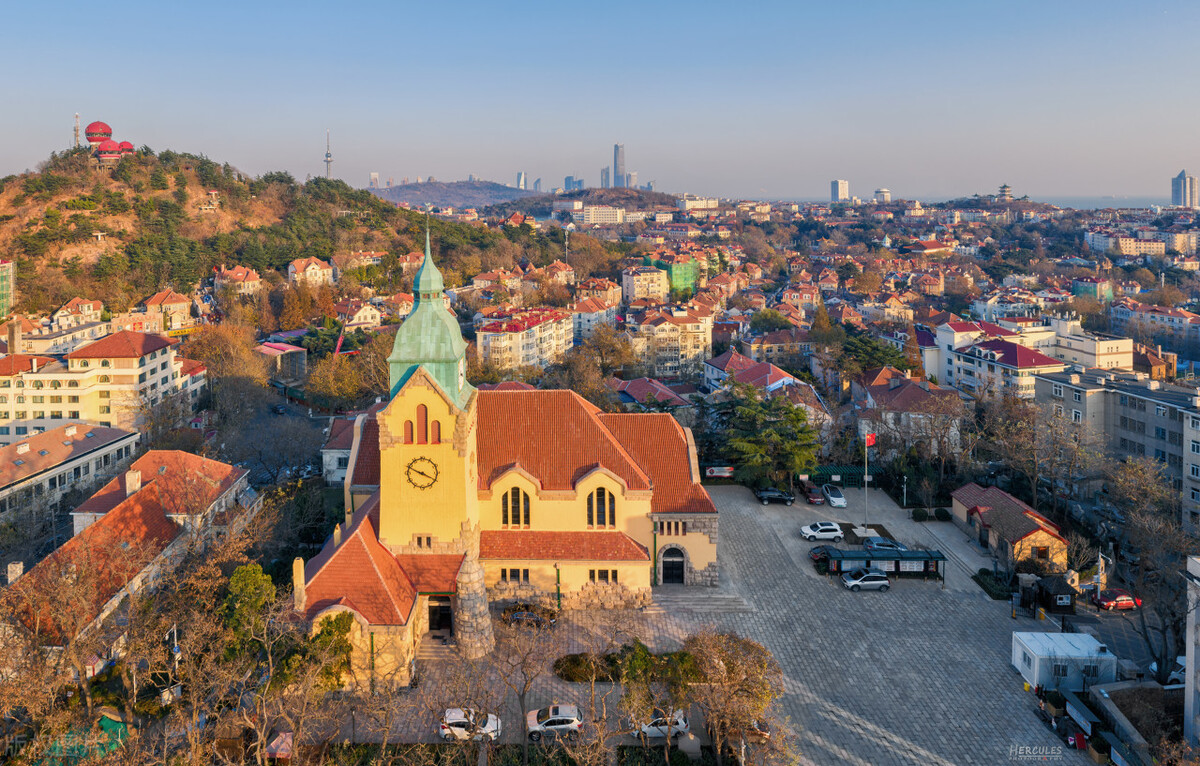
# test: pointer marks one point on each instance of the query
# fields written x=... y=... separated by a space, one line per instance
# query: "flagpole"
x=866 y=489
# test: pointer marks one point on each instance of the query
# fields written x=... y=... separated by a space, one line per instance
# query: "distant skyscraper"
x=604 y=176
x=619 y=179
x=537 y=185
x=883 y=195
x=839 y=191
x=373 y=182
x=1184 y=192
x=520 y=181
x=631 y=180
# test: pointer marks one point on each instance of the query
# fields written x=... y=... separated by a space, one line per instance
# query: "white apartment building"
x=688 y=203
x=600 y=215
x=589 y=315
x=530 y=338
x=644 y=282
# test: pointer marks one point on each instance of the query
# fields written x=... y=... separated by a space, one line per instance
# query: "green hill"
x=166 y=219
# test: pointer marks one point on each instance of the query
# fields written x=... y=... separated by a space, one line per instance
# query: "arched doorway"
x=440 y=615
x=672 y=566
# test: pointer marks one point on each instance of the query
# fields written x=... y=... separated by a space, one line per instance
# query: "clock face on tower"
x=422 y=472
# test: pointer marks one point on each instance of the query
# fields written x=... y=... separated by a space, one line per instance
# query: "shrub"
x=920 y=514
x=941 y=514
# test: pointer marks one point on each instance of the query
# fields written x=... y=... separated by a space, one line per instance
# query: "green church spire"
x=430 y=338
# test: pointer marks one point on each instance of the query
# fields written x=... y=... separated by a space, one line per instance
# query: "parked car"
x=662 y=725
x=866 y=578
x=820 y=552
x=812 y=494
x=461 y=724
x=772 y=495
x=1178 y=673
x=882 y=544
x=529 y=615
x=833 y=496
x=822 y=530
x=1115 y=598
x=553 y=721
x=279 y=409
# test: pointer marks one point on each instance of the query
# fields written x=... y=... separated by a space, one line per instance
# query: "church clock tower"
x=428 y=475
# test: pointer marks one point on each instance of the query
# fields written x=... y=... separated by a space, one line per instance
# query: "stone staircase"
x=695 y=600
x=430 y=649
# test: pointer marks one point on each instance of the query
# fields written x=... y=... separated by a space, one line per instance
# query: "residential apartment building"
x=672 y=341
x=997 y=368
x=8 y=287
x=644 y=282
x=1175 y=329
x=25 y=336
x=38 y=472
x=169 y=310
x=242 y=280
x=109 y=382
x=589 y=315
x=529 y=338
x=599 y=215
x=788 y=347
x=1135 y=417
x=599 y=288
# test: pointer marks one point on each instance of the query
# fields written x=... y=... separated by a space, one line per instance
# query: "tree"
x=769 y=437
x=912 y=353
x=292 y=315
x=337 y=380
x=740 y=683
x=768 y=320
x=523 y=655
x=823 y=332
x=249 y=593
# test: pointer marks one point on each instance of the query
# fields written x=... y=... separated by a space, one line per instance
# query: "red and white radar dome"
x=97 y=132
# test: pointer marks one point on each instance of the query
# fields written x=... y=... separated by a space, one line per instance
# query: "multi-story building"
x=590 y=314
x=111 y=382
x=788 y=347
x=674 y=341
x=1137 y=417
x=839 y=191
x=8 y=287
x=529 y=338
x=618 y=173
x=242 y=280
x=169 y=310
x=352 y=312
x=1173 y=328
x=27 y=337
x=688 y=204
x=1092 y=287
x=600 y=215
x=76 y=312
x=997 y=368
x=312 y=271
x=42 y=469
x=1184 y=192
x=683 y=271
x=644 y=282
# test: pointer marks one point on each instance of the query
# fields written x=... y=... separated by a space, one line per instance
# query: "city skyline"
x=242 y=85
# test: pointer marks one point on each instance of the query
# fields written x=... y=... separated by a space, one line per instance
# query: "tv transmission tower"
x=77 y=130
x=328 y=156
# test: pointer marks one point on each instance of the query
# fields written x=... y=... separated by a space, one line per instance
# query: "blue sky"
x=930 y=99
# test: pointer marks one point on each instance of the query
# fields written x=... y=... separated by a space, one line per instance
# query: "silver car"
x=865 y=578
x=833 y=496
x=553 y=721
x=466 y=724
x=662 y=725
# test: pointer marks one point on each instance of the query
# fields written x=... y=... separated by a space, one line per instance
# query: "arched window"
x=408 y=432
x=422 y=424
x=514 y=508
x=435 y=432
x=105 y=363
x=602 y=509
x=105 y=379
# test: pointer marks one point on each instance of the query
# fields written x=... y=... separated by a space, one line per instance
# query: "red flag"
x=870 y=440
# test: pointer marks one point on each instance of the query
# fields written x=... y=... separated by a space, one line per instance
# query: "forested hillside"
x=166 y=219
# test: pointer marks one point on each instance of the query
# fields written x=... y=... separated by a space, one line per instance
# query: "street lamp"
x=905 y=490
x=558 y=585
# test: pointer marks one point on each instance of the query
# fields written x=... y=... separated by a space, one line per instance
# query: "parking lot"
x=917 y=675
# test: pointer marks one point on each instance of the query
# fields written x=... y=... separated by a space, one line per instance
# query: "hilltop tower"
x=328 y=156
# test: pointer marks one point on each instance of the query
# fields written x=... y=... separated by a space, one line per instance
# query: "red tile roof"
x=762 y=375
x=660 y=446
x=360 y=574
x=561 y=439
x=341 y=434
x=731 y=362
x=643 y=390
x=125 y=344
x=432 y=572
x=166 y=297
x=366 y=466
x=190 y=367
x=506 y=385
x=1016 y=355
x=18 y=363
x=193 y=482
x=559 y=546
x=66 y=442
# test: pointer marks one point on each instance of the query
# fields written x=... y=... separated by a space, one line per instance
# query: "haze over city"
x=930 y=99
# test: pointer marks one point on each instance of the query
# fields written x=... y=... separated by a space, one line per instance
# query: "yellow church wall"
x=379 y=654
x=566 y=511
x=574 y=574
x=437 y=510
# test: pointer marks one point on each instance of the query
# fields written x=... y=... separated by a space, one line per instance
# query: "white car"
x=1178 y=673
x=833 y=496
x=553 y=721
x=464 y=724
x=822 y=530
x=662 y=725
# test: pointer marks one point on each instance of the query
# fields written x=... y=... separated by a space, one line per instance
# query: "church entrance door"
x=440 y=616
x=672 y=567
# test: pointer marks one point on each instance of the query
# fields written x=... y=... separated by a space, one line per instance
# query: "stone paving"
x=918 y=675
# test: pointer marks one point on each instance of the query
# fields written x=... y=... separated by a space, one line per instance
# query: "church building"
x=457 y=498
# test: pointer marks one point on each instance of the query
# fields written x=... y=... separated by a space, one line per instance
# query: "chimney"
x=298 y=595
x=22 y=449
x=70 y=431
x=133 y=481
x=15 y=570
x=14 y=336
x=33 y=364
x=337 y=535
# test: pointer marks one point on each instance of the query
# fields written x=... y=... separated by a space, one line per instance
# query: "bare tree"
x=523 y=655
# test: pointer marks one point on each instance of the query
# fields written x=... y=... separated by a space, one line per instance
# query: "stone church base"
x=590 y=596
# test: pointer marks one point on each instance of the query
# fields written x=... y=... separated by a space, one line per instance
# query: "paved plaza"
x=917 y=675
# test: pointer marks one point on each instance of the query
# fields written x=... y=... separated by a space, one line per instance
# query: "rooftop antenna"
x=328 y=156
x=77 y=130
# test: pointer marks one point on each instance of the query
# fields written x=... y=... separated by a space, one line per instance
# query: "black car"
x=279 y=409
x=529 y=615
x=770 y=494
x=820 y=552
